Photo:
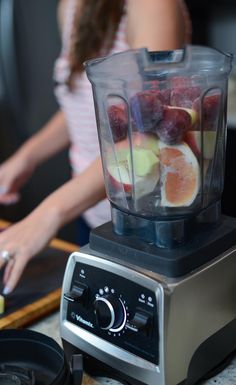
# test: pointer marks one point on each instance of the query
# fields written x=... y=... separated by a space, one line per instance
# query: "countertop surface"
x=50 y=327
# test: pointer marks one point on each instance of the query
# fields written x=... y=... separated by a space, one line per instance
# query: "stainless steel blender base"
x=168 y=330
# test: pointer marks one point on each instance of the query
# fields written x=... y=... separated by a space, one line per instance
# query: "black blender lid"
x=31 y=357
x=15 y=375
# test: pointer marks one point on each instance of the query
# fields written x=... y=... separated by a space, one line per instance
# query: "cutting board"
x=39 y=290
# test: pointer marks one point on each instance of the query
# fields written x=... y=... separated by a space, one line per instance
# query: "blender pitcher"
x=161 y=119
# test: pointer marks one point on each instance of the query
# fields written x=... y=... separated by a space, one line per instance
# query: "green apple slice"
x=144 y=162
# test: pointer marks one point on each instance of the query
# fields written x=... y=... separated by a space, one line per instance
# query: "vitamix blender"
x=152 y=298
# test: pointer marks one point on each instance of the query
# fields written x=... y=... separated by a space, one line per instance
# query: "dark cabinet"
x=229 y=194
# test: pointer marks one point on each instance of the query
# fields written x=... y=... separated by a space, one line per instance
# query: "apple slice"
x=143 y=162
x=119 y=177
x=140 y=140
x=147 y=141
x=193 y=139
x=180 y=175
x=137 y=175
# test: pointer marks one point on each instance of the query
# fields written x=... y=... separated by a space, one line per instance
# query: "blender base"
x=169 y=315
x=190 y=327
x=169 y=231
x=212 y=356
x=205 y=246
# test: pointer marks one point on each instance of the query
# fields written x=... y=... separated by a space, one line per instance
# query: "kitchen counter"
x=50 y=327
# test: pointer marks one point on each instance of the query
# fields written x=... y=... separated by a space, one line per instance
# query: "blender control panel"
x=115 y=309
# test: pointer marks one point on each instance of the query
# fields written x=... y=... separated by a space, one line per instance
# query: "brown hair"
x=94 y=31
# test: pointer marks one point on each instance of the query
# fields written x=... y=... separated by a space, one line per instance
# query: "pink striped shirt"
x=79 y=110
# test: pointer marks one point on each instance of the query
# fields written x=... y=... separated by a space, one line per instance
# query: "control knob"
x=110 y=313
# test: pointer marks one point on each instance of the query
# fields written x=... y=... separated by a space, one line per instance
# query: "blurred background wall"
x=214 y=24
x=29 y=45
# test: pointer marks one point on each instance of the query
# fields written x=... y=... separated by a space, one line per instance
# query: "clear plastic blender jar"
x=161 y=119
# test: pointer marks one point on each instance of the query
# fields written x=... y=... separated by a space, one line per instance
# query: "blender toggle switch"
x=142 y=321
x=78 y=293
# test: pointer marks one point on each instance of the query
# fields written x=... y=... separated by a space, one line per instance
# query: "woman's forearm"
x=75 y=196
x=51 y=139
x=161 y=24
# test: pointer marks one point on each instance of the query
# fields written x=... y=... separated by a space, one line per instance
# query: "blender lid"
x=31 y=358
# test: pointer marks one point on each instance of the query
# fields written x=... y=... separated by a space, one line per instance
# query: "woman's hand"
x=22 y=241
x=14 y=173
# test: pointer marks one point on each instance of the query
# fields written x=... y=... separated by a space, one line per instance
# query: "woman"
x=90 y=28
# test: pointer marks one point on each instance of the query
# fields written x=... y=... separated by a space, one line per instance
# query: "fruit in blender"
x=174 y=124
x=180 y=81
x=180 y=175
x=211 y=107
x=146 y=109
x=140 y=140
x=210 y=110
x=207 y=147
x=118 y=120
x=133 y=171
x=165 y=141
x=184 y=96
x=142 y=161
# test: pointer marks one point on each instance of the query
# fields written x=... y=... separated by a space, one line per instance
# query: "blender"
x=151 y=298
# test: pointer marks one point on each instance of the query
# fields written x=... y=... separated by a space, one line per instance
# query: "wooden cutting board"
x=39 y=290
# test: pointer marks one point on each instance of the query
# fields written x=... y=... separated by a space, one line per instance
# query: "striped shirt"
x=78 y=108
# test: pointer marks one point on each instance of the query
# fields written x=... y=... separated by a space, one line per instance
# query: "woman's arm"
x=61 y=10
x=50 y=140
x=26 y=238
x=156 y=24
x=16 y=170
x=75 y=196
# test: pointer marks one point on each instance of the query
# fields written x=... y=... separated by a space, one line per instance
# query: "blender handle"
x=162 y=59
x=162 y=62
x=77 y=369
